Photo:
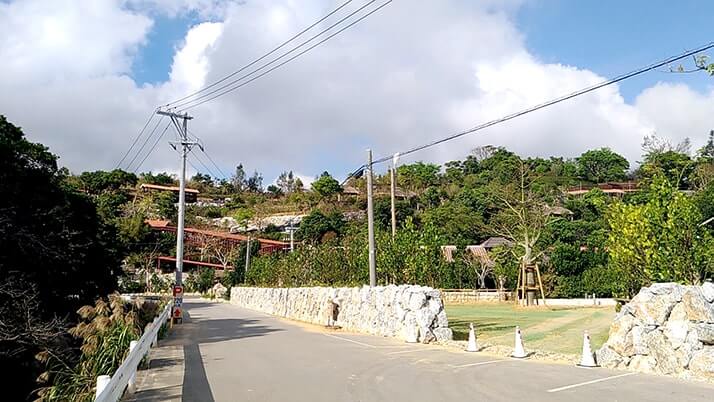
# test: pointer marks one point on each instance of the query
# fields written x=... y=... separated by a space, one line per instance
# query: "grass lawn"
x=554 y=330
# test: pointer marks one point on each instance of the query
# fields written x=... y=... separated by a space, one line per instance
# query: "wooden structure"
x=610 y=188
x=198 y=236
x=527 y=287
x=189 y=262
x=191 y=194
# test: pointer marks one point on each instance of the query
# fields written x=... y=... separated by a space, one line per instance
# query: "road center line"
x=590 y=382
x=350 y=340
x=479 y=363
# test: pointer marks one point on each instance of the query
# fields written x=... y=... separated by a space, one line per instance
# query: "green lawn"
x=554 y=330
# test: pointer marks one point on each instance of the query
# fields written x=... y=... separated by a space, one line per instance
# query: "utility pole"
x=247 y=255
x=370 y=223
x=393 y=185
x=186 y=146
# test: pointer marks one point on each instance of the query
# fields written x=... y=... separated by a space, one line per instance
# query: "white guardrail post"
x=111 y=389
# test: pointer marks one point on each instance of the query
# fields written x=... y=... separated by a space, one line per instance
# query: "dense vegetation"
x=68 y=240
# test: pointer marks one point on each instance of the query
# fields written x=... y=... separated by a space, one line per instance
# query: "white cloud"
x=678 y=112
x=413 y=72
x=66 y=40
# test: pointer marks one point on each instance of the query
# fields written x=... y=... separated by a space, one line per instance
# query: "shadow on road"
x=197 y=331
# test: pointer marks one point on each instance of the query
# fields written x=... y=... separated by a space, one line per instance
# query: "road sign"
x=177 y=312
x=178 y=291
x=178 y=301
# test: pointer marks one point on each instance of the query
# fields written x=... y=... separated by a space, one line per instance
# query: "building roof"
x=559 y=211
x=167 y=188
x=492 y=242
x=480 y=253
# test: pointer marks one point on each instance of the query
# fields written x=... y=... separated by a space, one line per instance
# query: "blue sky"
x=608 y=37
x=611 y=37
x=443 y=67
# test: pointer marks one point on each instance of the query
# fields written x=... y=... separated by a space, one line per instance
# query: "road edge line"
x=590 y=382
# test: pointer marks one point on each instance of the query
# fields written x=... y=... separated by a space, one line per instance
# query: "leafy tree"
x=239 y=178
x=418 y=176
x=255 y=182
x=661 y=157
x=707 y=150
x=661 y=240
x=317 y=224
x=602 y=165
x=326 y=185
x=383 y=211
x=52 y=240
x=274 y=190
x=288 y=183
x=162 y=179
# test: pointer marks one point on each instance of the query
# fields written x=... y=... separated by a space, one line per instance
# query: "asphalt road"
x=233 y=354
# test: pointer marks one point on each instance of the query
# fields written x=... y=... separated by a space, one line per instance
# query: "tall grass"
x=105 y=331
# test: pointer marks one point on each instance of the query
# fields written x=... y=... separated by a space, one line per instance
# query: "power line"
x=224 y=89
x=263 y=56
x=195 y=155
x=203 y=149
x=223 y=175
x=143 y=145
x=542 y=105
x=136 y=139
x=151 y=150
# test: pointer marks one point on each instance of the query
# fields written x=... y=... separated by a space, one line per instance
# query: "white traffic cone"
x=587 y=359
x=472 y=346
x=412 y=332
x=518 y=351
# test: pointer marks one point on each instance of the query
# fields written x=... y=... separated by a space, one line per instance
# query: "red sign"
x=177 y=312
x=178 y=291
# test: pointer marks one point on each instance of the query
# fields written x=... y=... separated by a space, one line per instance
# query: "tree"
x=238 y=179
x=418 y=176
x=707 y=151
x=274 y=190
x=162 y=179
x=661 y=240
x=316 y=225
x=661 y=157
x=482 y=266
x=524 y=216
x=52 y=240
x=255 y=182
x=326 y=185
x=602 y=165
x=287 y=182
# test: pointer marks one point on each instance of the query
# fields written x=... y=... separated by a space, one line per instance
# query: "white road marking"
x=590 y=382
x=350 y=340
x=478 y=364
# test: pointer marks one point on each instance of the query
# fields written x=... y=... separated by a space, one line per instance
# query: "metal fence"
x=111 y=388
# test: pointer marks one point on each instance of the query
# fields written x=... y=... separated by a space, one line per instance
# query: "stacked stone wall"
x=666 y=329
x=395 y=311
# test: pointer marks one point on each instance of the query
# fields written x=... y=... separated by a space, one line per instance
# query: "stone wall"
x=471 y=296
x=666 y=329
x=383 y=310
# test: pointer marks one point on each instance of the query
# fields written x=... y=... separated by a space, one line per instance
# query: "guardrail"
x=111 y=388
